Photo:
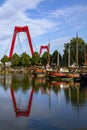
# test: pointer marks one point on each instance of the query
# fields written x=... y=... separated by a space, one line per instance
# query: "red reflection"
x=19 y=112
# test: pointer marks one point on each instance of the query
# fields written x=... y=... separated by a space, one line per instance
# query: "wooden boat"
x=74 y=76
x=56 y=74
x=38 y=72
x=77 y=79
x=48 y=71
x=84 y=76
x=81 y=78
x=59 y=76
x=67 y=79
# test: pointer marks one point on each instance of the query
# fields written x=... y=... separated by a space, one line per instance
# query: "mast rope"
x=19 y=41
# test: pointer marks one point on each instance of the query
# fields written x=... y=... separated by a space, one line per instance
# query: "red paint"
x=19 y=112
x=18 y=30
x=43 y=47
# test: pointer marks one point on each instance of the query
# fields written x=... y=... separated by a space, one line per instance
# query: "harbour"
x=43 y=65
x=35 y=103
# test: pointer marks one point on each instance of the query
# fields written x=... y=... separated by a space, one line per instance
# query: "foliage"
x=44 y=58
x=25 y=60
x=25 y=83
x=15 y=60
x=4 y=59
x=54 y=57
x=73 y=46
x=35 y=60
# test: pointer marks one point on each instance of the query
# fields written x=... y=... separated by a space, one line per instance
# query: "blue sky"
x=54 y=21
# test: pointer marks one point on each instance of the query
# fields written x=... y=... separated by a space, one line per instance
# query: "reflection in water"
x=73 y=92
x=76 y=96
x=45 y=103
x=5 y=81
x=18 y=111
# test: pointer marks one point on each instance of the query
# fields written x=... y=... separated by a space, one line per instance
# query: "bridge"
x=18 y=111
x=25 y=29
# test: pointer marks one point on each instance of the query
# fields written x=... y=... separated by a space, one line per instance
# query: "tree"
x=15 y=60
x=44 y=58
x=54 y=57
x=73 y=46
x=35 y=60
x=25 y=60
x=4 y=59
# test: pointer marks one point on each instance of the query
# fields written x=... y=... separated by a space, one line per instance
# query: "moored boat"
x=67 y=79
x=82 y=80
x=39 y=72
x=57 y=74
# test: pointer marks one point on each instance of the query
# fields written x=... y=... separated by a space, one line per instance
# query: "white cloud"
x=23 y=5
x=71 y=18
x=68 y=11
x=12 y=13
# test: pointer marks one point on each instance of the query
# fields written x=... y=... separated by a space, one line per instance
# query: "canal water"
x=28 y=103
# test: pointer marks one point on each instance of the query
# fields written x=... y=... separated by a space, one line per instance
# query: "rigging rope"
x=7 y=49
x=19 y=42
x=27 y=45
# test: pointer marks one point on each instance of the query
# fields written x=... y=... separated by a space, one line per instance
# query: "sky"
x=49 y=21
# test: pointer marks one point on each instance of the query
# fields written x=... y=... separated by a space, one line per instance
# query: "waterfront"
x=29 y=103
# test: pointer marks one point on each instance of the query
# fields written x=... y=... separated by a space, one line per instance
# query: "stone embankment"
x=14 y=70
x=9 y=70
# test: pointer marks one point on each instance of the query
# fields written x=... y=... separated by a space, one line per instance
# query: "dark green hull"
x=60 y=78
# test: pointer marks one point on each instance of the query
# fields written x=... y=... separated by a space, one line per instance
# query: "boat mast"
x=49 y=53
x=58 y=59
x=85 y=56
x=77 y=49
x=69 y=56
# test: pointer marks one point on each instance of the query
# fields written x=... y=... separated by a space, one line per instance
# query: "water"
x=28 y=103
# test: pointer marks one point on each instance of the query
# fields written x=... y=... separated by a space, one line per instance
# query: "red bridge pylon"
x=43 y=47
x=19 y=112
x=18 y=30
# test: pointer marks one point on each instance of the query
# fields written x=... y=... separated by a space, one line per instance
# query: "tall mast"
x=58 y=59
x=77 y=49
x=49 y=52
x=85 y=56
x=69 y=56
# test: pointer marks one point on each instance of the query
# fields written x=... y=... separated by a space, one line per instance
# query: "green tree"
x=15 y=60
x=54 y=57
x=73 y=46
x=25 y=60
x=44 y=58
x=4 y=59
x=35 y=60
